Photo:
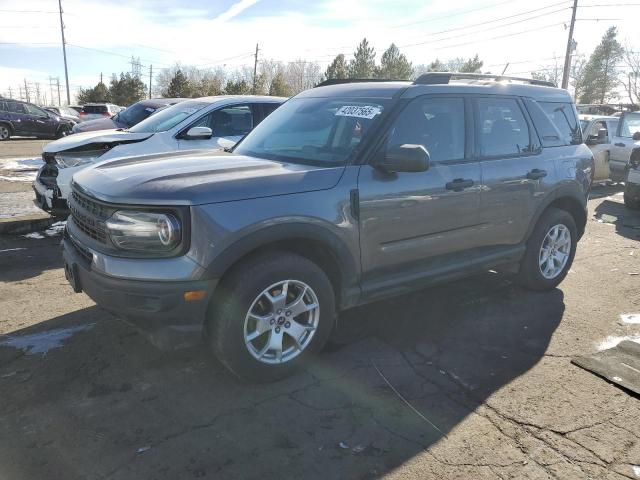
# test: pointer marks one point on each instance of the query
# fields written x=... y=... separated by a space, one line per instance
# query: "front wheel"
x=63 y=131
x=269 y=315
x=550 y=251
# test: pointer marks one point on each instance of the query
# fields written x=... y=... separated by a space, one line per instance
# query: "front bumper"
x=157 y=308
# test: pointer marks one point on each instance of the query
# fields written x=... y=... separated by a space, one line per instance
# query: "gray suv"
x=349 y=193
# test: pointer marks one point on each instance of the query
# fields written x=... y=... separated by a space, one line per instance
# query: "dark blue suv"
x=23 y=118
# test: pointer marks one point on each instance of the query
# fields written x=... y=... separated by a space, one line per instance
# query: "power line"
x=452 y=15
x=490 y=28
x=507 y=18
x=28 y=11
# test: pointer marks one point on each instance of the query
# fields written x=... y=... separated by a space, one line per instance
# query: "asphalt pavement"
x=484 y=365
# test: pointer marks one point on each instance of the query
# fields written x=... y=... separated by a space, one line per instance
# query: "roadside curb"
x=25 y=224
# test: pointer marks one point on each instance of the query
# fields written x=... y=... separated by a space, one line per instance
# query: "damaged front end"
x=45 y=186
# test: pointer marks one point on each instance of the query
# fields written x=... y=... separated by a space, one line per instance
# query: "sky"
x=102 y=35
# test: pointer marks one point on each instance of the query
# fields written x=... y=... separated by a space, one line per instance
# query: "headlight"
x=75 y=159
x=144 y=231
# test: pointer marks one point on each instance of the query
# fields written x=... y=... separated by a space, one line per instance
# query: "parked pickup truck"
x=611 y=139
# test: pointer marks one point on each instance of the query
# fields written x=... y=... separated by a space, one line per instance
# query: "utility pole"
x=100 y=77
x=26 y=90
x=10 y=93
x=150 y=78
x=51 y=88
x=38 y=98
x=58 y=81
x=20 y=92
x=255 y=70
x=64 y=52
x=567 y=56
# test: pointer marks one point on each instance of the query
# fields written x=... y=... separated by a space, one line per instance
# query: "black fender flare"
x=287 y=232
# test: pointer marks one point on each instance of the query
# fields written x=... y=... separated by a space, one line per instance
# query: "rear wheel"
x=270 y=314
x=5 y=132
x=550 y=251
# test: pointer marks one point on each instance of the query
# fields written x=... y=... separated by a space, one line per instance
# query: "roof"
x=246 y=98
x=590 y=117
x=479 y=86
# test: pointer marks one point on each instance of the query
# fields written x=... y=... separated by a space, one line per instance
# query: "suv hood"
x=101 y=137
x=209 y=177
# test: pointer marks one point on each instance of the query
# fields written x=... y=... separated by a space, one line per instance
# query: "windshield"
x=169 y=117
x=135 y=114
x=316 y=131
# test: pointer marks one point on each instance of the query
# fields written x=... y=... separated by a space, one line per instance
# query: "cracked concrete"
x=486 y=362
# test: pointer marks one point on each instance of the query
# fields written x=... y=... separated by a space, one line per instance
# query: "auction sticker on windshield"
x=359 y=111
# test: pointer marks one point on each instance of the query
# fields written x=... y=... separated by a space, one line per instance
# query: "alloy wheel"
x=555 y=251
x=4 y=133
x=281 y=322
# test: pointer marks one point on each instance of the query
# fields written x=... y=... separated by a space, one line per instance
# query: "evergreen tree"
x=99 y=93
x=394 y=65
x=437 y=66
x=279 y=87
x=472 y=65
x=363 y=64
x=179 y=86
x=237 y=87
x=127 y=90
x=338 y=68
x=600 y=73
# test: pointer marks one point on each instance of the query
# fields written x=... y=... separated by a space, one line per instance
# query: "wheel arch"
x=569 y=199
x=9 y=125
x=313 y=242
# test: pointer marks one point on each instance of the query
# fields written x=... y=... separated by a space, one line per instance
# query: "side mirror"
x=198 y=133
x=636 y=136
x=405 y=158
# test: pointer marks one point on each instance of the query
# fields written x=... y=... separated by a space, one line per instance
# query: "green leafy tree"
x=394 y=65
x=237 y=87
x=279 y=87
x=99 y=93
x=363 y=64
x=126 y=90
x=179 y=86
x=601 y=73
x=339 y=68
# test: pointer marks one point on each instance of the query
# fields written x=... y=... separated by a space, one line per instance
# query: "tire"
x=535 y=273
x=229 y=325
x=63 y=131
x=5 y=132
x=632 y=196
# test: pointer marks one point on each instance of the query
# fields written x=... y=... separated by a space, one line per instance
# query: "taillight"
x=106 y=114
x=83 y=113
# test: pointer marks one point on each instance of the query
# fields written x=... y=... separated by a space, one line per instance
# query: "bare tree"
x=632 y=81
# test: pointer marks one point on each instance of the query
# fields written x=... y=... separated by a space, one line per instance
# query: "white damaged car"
x=201 y=123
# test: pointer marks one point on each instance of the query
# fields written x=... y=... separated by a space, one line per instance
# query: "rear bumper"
x=157 y=308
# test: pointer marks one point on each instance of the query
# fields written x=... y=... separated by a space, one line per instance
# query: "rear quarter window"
x=563 y=117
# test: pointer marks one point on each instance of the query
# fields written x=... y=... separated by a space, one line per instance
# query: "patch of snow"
x=56 y=229
x=34 y=236
x=612 y=340
x=630 y=318
x=16 y=204
x=22 y=177
x=636 y=470
x=44 y=341
x=20 y=164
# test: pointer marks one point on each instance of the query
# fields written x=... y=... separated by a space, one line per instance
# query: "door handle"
x=459 y=184
x=619 y=144
x=536 y=173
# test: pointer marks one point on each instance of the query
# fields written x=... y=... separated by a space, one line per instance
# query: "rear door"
x=600 y=149
x=622 y=144
x=513 y=169
x=228 y=124
x=413 y=224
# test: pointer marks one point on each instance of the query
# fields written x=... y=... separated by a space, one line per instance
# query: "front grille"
x=83 y=252
x=89 y=216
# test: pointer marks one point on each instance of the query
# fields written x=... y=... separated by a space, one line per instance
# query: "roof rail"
x=439 y=78
x=340 y=81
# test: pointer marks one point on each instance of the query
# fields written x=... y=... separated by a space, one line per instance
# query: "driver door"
x=228 y=125
x=415 y=224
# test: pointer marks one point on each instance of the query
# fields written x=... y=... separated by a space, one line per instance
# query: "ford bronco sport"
x=348 y=193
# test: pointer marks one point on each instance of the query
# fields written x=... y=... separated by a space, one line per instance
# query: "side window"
x=228 y=121
x=33 y=110
x=630 y=124
x=595 y=128
x=435 y=123
x=612 y=127
x=3 y=107
x=563 y=116
x=502 y=128
x=17 y=107
x=547 y=131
